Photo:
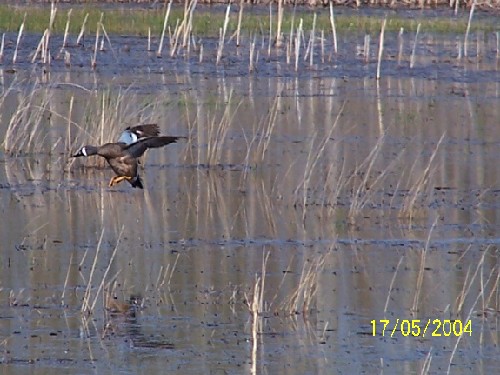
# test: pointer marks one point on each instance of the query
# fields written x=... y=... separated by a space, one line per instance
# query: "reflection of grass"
x=301 y=300
x=89 y=304
x=208 y=23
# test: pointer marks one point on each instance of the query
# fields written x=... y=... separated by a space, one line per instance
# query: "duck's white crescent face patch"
x=84 y=151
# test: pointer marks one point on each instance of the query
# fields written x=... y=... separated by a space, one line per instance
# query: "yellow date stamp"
x=421 y=328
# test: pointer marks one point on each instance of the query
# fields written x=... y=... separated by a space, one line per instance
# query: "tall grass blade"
x=334 y=29
x=279 y=36
x=222 y=34
x=467 y=31
x=238 y=28
x=414 y=49
x=2 y=45
x=82 y=30
x=66 y=31
x=19 y=35
x=162 y=37
x=381 y=47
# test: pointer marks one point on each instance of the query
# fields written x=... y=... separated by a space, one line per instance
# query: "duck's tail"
x=136 y=182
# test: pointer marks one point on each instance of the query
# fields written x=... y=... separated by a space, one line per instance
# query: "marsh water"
x=342 y=199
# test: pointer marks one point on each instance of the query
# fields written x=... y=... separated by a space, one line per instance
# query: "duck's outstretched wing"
x=137 y=149
x=135 y=133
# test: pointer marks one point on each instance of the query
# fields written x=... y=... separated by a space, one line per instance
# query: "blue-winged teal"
x=122 y=156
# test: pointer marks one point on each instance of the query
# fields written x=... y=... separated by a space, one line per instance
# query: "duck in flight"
x=123 y=155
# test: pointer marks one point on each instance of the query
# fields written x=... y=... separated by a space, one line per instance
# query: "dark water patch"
x=436 y=59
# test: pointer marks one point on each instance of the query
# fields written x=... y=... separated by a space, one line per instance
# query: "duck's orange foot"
x=116 y=180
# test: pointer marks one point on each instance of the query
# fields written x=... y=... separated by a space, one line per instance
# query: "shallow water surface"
x=301 y=208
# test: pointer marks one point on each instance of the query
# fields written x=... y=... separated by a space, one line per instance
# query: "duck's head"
x=85 y=151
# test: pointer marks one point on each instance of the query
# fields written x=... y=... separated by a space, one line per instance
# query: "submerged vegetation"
x=206 y=22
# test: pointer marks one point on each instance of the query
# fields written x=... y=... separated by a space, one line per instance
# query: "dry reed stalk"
x=45 y=46
x=101 y=45
x=25 y=132
x=297 y=45
x=279 y=35
x=201 y=53
x=266 y=129
x=93 y=62
x=103 y=119
x=366 y=48
x=87 y=307
x=492 y=299
x=222 y=34
x=105 y=35
x=162 y=37
x=313 y=37
x=251 y=66
x=421 y=269
x=322 y=46
x=82 y=29
x=3 y=44
x=467 y=31
x=409 y=202
x=400 y=45
x=288 y=54
x=189 y=24
x=66 y=30
x=106 y=271
x=174 y=37
x=86 y=295
x=290 y=39
x=479 y=44
x=468 y=284
x=19 y=35
x=256 y=303
x=480 y=295
x=45 y=51
x=414 y=49
x=334 y=29
x=149 y=40
x=66 y=280
x=193 y=41
x=360 y=193
x=70 y=113
x=184 y=27
x=392 y=285
x=162 y=275
x=67 y=59
x=238 y=28
x=253 y=304
x=303 y=297
x=270 y=28
x=39 y=47
x=427 y=363
x=256 y=323
x=263 y=281
x=217 y=132
x=314 y=156
x=381 y=47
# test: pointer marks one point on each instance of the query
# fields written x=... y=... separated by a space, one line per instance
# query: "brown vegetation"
x=482 y=4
